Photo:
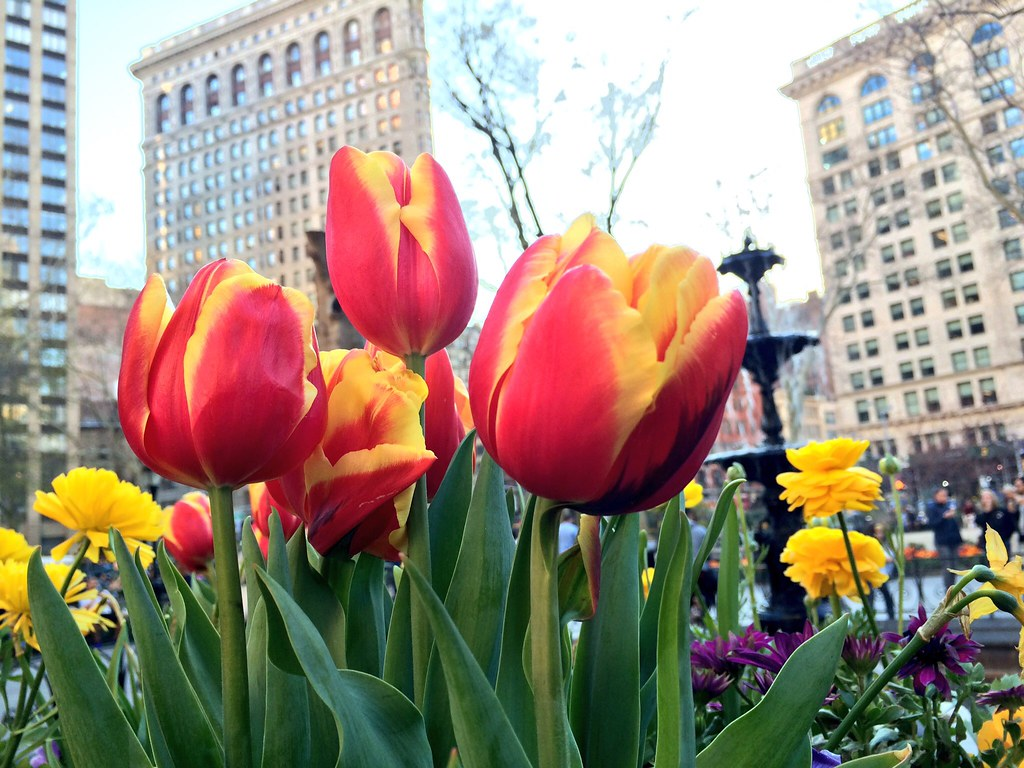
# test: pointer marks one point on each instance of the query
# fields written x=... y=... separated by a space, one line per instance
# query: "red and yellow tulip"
x=444 y=425
x=262 y=506
x=600 y=380
x=226 y=389
x=357 y=484
x=398 y=251
x=189 y=532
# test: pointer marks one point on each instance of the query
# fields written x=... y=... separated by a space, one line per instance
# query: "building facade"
x=38 y=414
x=243 y=114
x=913 y=136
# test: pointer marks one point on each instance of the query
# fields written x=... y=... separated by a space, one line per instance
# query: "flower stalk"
x=868 y=608
x=418 y=528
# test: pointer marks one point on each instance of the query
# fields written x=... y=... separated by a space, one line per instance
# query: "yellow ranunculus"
x=693 y=494
x=994 y=731
x=15 y=613
x=13 y=546
x=92 y=501
x=827 y=481
x=818 y=561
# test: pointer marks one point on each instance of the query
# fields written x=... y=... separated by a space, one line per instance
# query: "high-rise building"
x=38 y=415
x=244 y=112
x=914 y=136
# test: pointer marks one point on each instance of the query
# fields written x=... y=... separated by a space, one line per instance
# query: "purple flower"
x=946 y=649
x=708 y=685
x=862 y=654
x=782 y=646
x=39 y=757
x=1008 y=698
x=823 y=759
x=718 y=654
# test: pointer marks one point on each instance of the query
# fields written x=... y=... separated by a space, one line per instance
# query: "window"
x=892 y=282
x=950 y=172
x=836 y=240
x=1017 y=281
x=955 y=329
x=976 y=324
x=857 y=381
x=924 y=150
x=911 y=277
x=965 y=392
x=832 y=213
x=995 y=155
x=930 y=117
x=933 y=209
x=922 y=337
x=899 y=190
x=1012 y=249
x=883 y=225
x=986 y=32
x=971 y=295
x=846 y=180
x=881 y=408
x=988 y=391
x=907 y=248
x=948 y=298
x=1006 y=219
x=906 y=371
x=163 y=114
x=955 y=202
x=872 y=84
x=931 y=400
x=888 y=254
x=1013 y=116
x=1019 y=309
x=849 y=323
x=838 y=155
x=959 y=360
x=875 y=374
x=238 y=86
x=871 y=347
x=902 y=340
x=928 y=180
x=353 y=47
x=892 y=161
x=920 y=92
x=927 y=366
x=188 y=108
x=902 y=218
x=212 y=96
x=982 y=358
x=997 y=90
x=828 y=186
x=874 y=167
x=912 y=403
x=917 y=307
x=867 y=318
x=940 y=238
x=959 y=231
x=849 y=205
x=322 y=54
x=990 y=123
x=882 y=137
x=265 y=68
x=828 y=103
x=382 y=31
x=863 y=411
x=293 y=65
x=896 y=311
x=852 y=352
x=944 y=268
x=863 y=290
x=878 y=197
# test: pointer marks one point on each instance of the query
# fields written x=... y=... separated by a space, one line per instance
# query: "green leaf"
x=398 y=652
x=93 y=726
x=604 y=700
x=366 y=630
x=172 y=707
x=447 y=514
x=728 y=612
x=667 y=540
x=195 y=639
x=886 y=760
x=723 y=510
x=476 y=597
x=376 y=724
x=252 y=557
x=513 y=686
x=316 y=598
x=675 y=691
x=779 y=723
x=579 y=573
x=482 y=731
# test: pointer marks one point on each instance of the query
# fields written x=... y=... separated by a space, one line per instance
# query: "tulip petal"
x=273 y=325
x=660 y=271
x=615 y=355
x=443 y=428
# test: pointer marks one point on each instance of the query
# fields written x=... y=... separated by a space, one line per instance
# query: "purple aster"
x=862 y=654
x=719 y=654
x=824 y=759
x=39 y=757
x=1007 y=698
x=946 y=649
x=708 y=685
x=783 y=645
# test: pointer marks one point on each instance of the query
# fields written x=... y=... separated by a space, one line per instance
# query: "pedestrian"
x=945 y=524
x=992 y=513
x=889 y=570
x=568 y=531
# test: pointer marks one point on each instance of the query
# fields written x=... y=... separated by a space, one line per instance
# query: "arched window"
x=266 y=75
x=828 y=103
x=238 y=86
x=382 y=31
x=353 y=51
x=293 y=65
x=163 y=113
x=921 y=65
x=188 y=105
x=986 y=32
x=322 y=54
x=872 y=84
x=212 y=96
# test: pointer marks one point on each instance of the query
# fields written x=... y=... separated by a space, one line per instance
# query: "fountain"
x=765 y=354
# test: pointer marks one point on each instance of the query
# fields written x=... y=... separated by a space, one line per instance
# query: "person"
x=889 y=570
x=568 y=531
x=945 y=524
x=992 y=513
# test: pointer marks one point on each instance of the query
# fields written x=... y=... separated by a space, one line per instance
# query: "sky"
x=727 y=141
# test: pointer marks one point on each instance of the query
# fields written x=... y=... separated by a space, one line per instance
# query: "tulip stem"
x=418 y=530
x=231 y=623
x=869 y=609
x=545 y=644
x=900 y=554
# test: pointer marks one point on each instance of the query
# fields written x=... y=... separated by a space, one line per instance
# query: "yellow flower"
x=646 y=579
x=14 y=608
x=693 y=494
x=13 y=546
x=92 y=501
x=818 y=561
x=993 y=731
x=827 y=481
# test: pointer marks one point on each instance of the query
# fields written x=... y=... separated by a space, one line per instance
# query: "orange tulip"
x=398 y=251
x=600 y=380
x=372 y=452
x=226 y=389
x=261 y=506
x=189 y=533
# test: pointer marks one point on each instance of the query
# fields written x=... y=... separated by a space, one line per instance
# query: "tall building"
x=913 y=136
x=244 y=112
x=38 y=415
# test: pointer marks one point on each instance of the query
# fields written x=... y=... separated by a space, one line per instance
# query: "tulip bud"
x=735 y=472
x=888 y=465
x=189 y=534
